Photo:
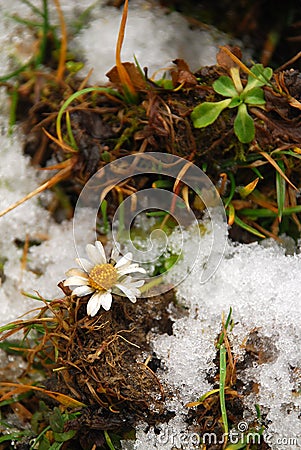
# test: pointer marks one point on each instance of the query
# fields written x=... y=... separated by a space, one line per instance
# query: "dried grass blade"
x=123 y=75
x=61 y=398
x=63 y=174
x=63 y=49
x=275 y=165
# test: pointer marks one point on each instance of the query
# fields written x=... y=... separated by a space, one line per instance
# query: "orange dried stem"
x=59 y=142
x=63 y=399
x=123 y=75
x=63 y=49
x=25 y=253
x=237 y=61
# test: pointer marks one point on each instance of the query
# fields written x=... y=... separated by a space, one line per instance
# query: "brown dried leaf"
x=182 y=75
x=136 y=78
x=294 y=103
x=224 y=60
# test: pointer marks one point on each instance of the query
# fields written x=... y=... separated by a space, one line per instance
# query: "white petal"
x=131 y=269
x=85 y=264
x=97 y=300
x=130 y=293
x=82 y=290
x=106 y=300
x=94 y=255
x=115 y=252
x=130 y=283
x=93 y=304
x=76 y=281
x=101 y=251
x=137 y=284
x=76 y=273
x=125 y=260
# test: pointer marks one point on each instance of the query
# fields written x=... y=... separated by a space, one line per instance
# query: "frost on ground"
x=44 y=266
x=261 y=284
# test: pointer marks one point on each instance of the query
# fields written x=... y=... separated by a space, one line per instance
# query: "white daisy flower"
x=101 y=278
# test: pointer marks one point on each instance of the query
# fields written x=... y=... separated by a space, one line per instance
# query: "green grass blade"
x=35 y=297
x=256 y=171
x=287 y=152
x=238 y=446
x=139 y=67
x=280 y=190
x=232 y=189
x=69 y=132
x=45 y=29
x=247 y=227
x=207 y=394
x=221 y=339
x=13 y=74
x=9 y=326
x=103 y=208
x=13 y=110
x=222 y=380
x=15 y=436
x=74 y=97
x=33 y=7
x=264 y=212
x=38 y=438
x=28 y=23
x=108 y=440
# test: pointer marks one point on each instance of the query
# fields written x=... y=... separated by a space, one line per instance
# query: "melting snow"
x=261 y=283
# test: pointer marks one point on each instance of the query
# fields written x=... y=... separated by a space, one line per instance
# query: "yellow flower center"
x=103 y=276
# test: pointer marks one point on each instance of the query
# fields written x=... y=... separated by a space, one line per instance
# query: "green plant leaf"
x=56 y=446
x=254 y=97
x=261 y=77
x=56 y=421
x=244 y=125
x=225 y=86
x=206 y=113
x=64 y=436
x=164 y=83
x=236 y=101
x=263 y=73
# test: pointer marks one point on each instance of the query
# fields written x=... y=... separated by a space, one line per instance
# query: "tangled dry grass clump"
x=103 y=364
